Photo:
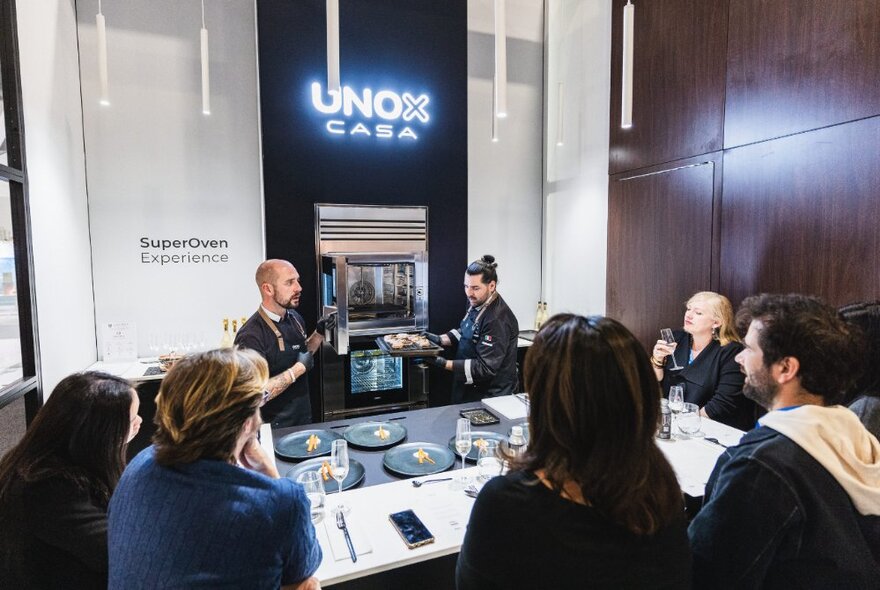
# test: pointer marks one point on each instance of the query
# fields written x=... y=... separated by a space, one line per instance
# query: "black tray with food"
x=407 y=345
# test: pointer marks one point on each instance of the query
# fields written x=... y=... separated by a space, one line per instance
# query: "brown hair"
x=204 y=402
x=595 y=407
x=722 y=310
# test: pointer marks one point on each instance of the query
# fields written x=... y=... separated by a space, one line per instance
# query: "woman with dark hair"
x=593 y=503
x=56 y=482
x=485 y=341
x=864 y=400
x=204 y=505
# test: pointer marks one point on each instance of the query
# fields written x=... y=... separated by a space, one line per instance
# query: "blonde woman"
x=706 y=347
x=204 y=506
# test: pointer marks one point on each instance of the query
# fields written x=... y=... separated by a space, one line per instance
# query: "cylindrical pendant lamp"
x=500 y=59
x=626 y=107
x=333 y=83
x=102 y=56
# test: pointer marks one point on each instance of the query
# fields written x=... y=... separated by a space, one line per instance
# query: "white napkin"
x=509 y=406
x=338 y=546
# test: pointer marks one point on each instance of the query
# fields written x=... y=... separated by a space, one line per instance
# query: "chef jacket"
x=485 y=357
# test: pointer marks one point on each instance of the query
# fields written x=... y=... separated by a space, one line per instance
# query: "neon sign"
x=355 y=112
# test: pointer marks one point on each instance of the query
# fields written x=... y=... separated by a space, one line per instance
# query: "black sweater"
x=56 y=538
x=523 y=535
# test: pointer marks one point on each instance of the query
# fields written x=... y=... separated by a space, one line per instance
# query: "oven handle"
x=423 y=369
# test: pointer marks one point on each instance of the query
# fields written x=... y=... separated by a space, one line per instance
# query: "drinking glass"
x=676 y=398
x=488 y=462
x=314 y=488
x=668 y=338
x=339 y=468
x=689 y=420
x=463 y=442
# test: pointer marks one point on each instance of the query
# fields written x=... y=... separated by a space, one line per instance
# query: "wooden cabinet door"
x=795 y=66
x=678 y=82
x=800 y=215
x=660 y=243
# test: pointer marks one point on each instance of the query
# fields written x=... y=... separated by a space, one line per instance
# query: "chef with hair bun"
x=485 y=341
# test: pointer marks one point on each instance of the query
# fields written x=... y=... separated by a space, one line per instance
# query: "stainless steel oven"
x=373 y=273
x=374 y=294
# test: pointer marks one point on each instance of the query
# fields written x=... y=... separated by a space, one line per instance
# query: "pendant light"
x=333 y=84
x=560 y=97
x=493 y=116
x=206 y=77
x=102 y=57
x=500 y=60
x=626 y=107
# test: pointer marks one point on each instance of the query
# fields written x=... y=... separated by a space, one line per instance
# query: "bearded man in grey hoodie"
x=796 y=504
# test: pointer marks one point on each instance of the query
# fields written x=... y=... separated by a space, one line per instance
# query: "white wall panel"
x=56 y=176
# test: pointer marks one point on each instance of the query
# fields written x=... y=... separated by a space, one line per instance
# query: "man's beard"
x=761 y=388
x=291 y=303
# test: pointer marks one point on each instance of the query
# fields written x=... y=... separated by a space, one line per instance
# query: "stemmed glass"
x=463 y=442
x=339 y=469
x=668 y=338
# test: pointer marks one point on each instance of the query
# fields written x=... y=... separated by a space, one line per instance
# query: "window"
x=18 y=351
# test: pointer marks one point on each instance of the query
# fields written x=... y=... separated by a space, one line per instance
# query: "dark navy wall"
x=418 y=47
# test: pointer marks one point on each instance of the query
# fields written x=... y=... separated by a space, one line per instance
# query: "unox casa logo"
x=383 y=114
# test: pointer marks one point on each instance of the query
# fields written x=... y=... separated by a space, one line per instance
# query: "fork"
x=418 y=484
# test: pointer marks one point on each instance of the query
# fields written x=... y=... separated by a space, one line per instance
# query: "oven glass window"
x=374 y=370
x=380 y=291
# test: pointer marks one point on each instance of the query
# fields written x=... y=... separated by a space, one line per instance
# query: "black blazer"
x=713 y=381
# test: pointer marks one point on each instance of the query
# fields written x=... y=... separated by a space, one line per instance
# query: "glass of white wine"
x=339 y=469
x=668 y=338
x=463 y=442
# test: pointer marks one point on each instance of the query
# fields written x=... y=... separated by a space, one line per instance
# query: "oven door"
x=374 y=294
x=373 y=377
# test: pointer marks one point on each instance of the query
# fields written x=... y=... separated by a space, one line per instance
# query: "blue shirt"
x=208 y=524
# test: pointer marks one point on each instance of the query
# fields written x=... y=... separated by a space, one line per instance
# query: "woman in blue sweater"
x=204 y=506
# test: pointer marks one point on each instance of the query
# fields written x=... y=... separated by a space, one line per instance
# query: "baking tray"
x=408 y=351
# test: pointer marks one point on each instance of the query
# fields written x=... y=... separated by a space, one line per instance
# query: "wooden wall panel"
x=660 y=244
x=678 y=82
x=801 y=215
x=795 y=66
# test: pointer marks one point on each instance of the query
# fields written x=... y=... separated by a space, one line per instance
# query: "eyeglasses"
x=266 y=396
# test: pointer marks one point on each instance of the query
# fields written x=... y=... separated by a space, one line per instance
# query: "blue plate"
x=403 y=459
x=356 y=473
x=292 y=447
x=366 y=434
x=476 y=435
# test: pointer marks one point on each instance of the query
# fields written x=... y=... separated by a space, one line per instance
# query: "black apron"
x=291 y=407
x=467 y=349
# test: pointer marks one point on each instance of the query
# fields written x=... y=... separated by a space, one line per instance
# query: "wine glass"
x=668 y=338
x=689 y=420
x=314 y=489
x=463 y=442
x=339 y=469
x=676 y=402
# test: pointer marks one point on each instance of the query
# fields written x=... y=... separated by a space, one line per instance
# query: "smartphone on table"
x=411 y=529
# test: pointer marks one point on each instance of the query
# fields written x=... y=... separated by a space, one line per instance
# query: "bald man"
x=278 y=333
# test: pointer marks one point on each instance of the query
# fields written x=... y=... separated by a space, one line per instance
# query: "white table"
x=132 y=370
x=446 y=512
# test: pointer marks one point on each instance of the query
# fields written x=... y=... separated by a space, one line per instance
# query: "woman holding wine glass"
x=701 y=358
x=592 y=502
x=204 y=504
